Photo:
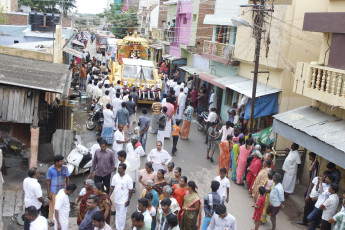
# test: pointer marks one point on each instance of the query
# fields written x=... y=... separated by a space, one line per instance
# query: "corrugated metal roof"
x=156 y=46
x=211 y=19
x=244 y=86
x=73 y=52
x=328 y=129
x=29 y=73
x=191 y=70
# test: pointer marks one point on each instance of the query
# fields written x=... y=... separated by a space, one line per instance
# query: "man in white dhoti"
x=181 y=103
x=62 y=207
x=213 y=101
x=290 y=168
x=158 y=157
x=133 y=157
x=122 y=186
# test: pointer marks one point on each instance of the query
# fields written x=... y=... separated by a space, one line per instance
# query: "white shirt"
x=105 y=100
x=98 y=93
x=226 y=132
x=94 y=148
x=158 y=158
x=217 y=223
x=224 y=184
x=147 y=220
x=122 y=186
x=112 y=93
x=177 y=90
x=106 y=227
x=128 y=166
x=40 y=223
x=212 y=102
x=32 y=191
x=331 y=205
x=116 y=103
x=133 y=156
x=186 y=90
x=182 y=99
x=212 y=117
x=315 y=193
x=109 y=118
x=291 y=162
x=118 y=136
x=63 y=206
x=323 y=196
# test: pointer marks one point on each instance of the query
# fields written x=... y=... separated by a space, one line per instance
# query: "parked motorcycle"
x=202 y=123
x=96 y=117
x=79 y=160
x=11 y=145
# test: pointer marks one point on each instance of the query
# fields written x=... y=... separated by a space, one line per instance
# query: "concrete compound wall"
x=26 y=54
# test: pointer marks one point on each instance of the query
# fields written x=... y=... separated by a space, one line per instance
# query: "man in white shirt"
x=315 y=216
x=62 y=207
x=226 y=130
x=98 y=221
x=119 y=140
x=98 y=92
x=108 y=125
x=177 y=89
x=213 y=101
x=222 y=220
x=290 y=169
x=330 y=206
x=37 y=222
x=158 y=157
x=116 y=103
x=143 y=204
x=122 y=186
x=32 y=193
x=181 y=102
x=224 y=187
x=212 y=118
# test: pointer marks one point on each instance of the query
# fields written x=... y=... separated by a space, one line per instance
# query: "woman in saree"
x=245 y=151
x=254 y=169
x=224 y=159
x=234 y=156
x=104 y=203
x=261 y=179
x=146 y=174
x=192 y=208
x=82 y=197
x=180 y=190
x=269 y=184
x=159 y=182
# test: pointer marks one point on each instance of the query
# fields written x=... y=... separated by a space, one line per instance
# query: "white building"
x=148 y=16
x=8 y=6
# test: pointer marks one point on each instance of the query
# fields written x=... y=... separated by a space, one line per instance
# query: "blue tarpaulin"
x=264 y=106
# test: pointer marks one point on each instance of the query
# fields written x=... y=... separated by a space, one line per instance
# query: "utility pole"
x=258 y=28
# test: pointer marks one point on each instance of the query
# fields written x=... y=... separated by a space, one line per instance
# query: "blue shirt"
x=57 y=179
x=122 y=116
x=86 y=224
x=277 y=195
x=144 y=121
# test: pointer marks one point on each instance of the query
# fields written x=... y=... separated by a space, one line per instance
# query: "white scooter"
x=79 y=160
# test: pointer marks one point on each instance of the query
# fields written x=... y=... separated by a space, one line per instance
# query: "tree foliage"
x=48 y=6
x=122 y=22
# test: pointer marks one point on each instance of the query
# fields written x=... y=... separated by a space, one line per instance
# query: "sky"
x=91 y=6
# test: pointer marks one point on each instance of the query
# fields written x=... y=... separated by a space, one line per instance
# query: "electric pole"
x=257 y=27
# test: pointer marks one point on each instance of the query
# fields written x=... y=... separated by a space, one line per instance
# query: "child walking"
x=259 y=206
x=175 y=134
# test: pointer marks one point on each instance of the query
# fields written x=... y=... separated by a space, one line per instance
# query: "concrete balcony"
x=219 y=52
x=320 y=83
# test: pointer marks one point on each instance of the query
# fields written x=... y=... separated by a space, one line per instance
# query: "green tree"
x=48 y=6
x=122 y=22
x=3 y=16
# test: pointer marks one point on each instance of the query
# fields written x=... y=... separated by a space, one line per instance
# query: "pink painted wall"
x=183 y=26
x=175 y=50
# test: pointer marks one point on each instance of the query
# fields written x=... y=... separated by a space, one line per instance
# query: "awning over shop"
x=166 y=56
x=156 y=46
x=212 y=19
x=210 y=78
x=72 y=52
x=317 y=131
x=77 y=43
x=190 y=70
x=264 y=106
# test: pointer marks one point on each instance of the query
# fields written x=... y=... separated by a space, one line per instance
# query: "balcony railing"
x=162 y=35
x=321 y=83
x=218 y=49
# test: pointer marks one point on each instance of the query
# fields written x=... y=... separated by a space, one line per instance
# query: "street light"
x=236 y=21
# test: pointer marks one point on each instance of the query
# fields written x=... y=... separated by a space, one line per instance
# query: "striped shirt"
x=210 y=202
x=340 y=218
x=189 y=111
